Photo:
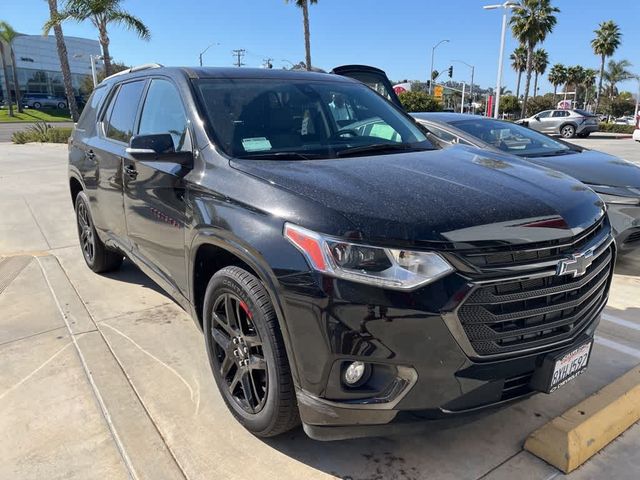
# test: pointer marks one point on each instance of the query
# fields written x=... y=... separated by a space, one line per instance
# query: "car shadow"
x=130 y=273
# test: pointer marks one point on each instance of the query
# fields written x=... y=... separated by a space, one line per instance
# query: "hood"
x=595 y=168
x=459 y=194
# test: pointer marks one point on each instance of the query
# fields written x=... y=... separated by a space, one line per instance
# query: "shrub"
x=616 y=128
x=42 y=132
x=413 y=101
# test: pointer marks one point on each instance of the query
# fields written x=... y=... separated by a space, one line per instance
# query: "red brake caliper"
x=245 y=307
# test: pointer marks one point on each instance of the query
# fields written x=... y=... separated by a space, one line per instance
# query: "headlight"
x=383 y=267
x=617 y=195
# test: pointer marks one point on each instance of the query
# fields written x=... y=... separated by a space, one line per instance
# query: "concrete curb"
x=567 y=441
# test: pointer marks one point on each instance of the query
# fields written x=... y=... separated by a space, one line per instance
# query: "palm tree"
x=588 y=81
x=8 y=34
x=519 y=63
x=54 y=22
x=617 y=72
x=605 y=44
x=531 y=22
x=557 y=76
x=540 y=64
x=575 y=77
x=304 y=6
x=101 y=13
x=6 y=78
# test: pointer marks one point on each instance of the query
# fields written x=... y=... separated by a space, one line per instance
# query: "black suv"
x=346 y=270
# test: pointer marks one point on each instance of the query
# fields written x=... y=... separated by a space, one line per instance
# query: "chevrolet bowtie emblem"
x=577 y=264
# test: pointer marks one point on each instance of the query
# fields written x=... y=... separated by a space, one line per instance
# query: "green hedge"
x=42 y=132
x=616 y=128
x=416 y=101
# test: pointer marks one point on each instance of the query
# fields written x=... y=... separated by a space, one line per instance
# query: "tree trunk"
x=6 y=79
x=555 y=91
x=104 y=41
x=64 y=62
x=599 y=92
x=307 y=34
x=527 y=81
x=535 y=85
x=518 y=84
x=16 y=85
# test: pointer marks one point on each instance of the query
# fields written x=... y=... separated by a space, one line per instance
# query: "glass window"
x=442 y=134
x=90 y=111
x=513 y=138
x=257 y=118
x=163 y=112
x=122 y=115
x=544 y=114
x=560 y=113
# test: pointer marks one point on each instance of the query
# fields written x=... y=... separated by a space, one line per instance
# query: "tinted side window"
x=125 y=105
x=560 y=113
x=90 y=112
x=544 y=114
x=163 y=112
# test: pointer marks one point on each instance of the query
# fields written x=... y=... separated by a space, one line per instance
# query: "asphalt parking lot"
x=105 y=377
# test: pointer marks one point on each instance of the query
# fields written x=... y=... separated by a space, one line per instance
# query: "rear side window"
x=121 y=116
x=561 y=113
x=90 y=111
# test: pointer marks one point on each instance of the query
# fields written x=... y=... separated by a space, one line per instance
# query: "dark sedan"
x=616 y=180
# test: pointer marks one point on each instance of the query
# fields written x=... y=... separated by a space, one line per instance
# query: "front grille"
x=515 y=387
x=507 y=316
x=535 y=252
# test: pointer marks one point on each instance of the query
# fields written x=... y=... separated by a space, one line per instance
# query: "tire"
x=568 y=131
x=251 y=335
x=37 y=105
x=62 y=105
x=96 y=255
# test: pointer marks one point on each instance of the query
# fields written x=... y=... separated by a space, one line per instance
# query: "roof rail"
x=137 y=68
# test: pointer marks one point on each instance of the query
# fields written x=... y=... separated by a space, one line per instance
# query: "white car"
x=636 y=132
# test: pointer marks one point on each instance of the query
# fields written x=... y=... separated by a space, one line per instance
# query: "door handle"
x=91 y=155
x=131 y=171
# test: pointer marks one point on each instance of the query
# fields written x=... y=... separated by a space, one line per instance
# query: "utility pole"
x=239 y=54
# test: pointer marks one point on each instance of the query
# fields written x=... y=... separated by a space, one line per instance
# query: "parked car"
x=626 y=120
x=567 y=123
x=42 y=100
x=616 y=180
x=345 y=270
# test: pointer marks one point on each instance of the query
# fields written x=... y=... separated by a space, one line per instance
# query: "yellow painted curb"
x=567 y=441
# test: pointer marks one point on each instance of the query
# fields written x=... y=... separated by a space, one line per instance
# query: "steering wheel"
x=347 y=131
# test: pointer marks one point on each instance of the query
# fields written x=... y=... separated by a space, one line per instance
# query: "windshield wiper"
x=281 y=156
x=379 y=148
x=555 y=153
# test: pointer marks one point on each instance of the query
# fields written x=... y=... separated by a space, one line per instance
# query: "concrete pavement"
x=105 y=377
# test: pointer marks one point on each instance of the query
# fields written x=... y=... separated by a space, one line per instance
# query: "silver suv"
x=567 y=123
x=39 y=100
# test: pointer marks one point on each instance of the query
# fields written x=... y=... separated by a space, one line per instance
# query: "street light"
x=473 y=69
x=92 y=58
x=506 y=6
x=433 y=50
x=205 y=50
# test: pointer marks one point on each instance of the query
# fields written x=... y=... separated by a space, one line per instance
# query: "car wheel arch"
x=205 y=245
x=75 y=186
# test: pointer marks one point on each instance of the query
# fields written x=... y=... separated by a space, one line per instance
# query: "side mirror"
x=536 y=117
x=158 y=148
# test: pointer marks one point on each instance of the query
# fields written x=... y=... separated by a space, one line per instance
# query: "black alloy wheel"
x=85 y=232
x=238 y=353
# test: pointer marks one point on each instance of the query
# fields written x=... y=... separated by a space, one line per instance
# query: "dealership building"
x=38 y=64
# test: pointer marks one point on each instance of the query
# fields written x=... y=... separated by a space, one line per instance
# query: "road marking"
x=620 y=321
x=618 y=346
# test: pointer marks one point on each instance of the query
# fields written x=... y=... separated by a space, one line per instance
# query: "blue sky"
x=394 y=35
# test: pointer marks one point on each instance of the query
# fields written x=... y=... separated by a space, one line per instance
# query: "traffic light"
x=451 y=71
x=428 y=83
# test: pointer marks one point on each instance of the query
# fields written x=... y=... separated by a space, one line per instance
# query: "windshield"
x=512 y=138
x=298 y=119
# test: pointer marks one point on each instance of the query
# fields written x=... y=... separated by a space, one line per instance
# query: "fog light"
x=354 y=373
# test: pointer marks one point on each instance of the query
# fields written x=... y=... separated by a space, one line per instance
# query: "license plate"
x=570 y=366
x=561 y=368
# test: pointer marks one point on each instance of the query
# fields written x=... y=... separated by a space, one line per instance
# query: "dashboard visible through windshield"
x=285 y=119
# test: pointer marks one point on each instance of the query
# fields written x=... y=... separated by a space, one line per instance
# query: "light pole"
x=506 y=6
x=92 y=58
x=635 y=115
x=205 y=50
x=433 y=51
x=473 y=69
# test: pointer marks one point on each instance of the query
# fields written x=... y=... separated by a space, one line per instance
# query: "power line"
x=239 y=54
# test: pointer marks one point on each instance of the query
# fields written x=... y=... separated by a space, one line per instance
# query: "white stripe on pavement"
x=618 y=346
x=619 y=321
